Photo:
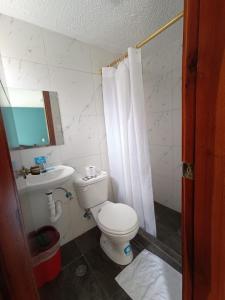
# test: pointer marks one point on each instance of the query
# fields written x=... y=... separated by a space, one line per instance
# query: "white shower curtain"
x=128 y=150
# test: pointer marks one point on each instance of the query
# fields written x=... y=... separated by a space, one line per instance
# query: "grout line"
x=50 y=65
x=157 y=245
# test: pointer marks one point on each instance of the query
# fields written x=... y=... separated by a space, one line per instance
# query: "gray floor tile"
x=68 y=286
x=69 y=252
x=88 y=240
x=171 y=239
x=121 y=295
x=104 y=270
x=168 y=225
x=99 y=282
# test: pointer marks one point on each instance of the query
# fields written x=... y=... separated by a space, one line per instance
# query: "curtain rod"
x=149 y=38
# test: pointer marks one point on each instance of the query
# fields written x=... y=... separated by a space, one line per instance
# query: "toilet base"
x=119 y=252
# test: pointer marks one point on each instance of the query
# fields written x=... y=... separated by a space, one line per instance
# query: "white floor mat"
x=148 y=277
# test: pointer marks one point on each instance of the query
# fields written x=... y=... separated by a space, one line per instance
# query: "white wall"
x=3 y=87
x=38 y=59
x=162 y=84
x=4 y=102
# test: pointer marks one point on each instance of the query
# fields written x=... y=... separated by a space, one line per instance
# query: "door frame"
x=189 y=85
x=203 y=199
x=16 y=276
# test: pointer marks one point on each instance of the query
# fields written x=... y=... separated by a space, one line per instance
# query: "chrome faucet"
x=24 y=172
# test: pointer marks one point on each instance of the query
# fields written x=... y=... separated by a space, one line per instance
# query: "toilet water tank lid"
x=118 y=218
x=82 y=181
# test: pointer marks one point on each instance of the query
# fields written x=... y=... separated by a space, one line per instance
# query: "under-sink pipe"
x=55 y=208
x=67 y=193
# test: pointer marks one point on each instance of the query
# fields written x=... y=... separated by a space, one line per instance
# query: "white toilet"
x=118 y=222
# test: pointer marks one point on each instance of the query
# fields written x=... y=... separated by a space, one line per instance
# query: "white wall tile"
x=160 y=128
x=42 y=60
x=177 y=163
x=176 y=196
x=81 y=138
x=176 y=88
x=21 y=40
x=162 y=159
x=70 y=225
x=52 y=154
x=100 y=59
x=163 y=189
x=26 y=75
x=176 y=127
x=65 y=52
x=75 y=90
x=79 y=163
x=162 y=86
x=157 y=92
x=97 y=81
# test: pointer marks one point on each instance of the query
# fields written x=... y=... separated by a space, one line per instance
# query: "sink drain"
x=81 y=270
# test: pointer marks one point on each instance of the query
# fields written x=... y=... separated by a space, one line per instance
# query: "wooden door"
x=204 y=146
x=16 y=276
x=189 y=77
x=209 y=217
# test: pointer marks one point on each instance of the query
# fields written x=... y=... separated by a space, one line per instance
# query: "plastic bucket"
x=46 y=254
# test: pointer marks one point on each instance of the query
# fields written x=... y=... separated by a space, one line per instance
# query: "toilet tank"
x=92 y=192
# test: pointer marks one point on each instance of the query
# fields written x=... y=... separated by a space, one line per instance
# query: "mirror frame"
x=49 y=119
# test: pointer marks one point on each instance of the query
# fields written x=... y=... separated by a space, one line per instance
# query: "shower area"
x=162 y=66
x=142 y=103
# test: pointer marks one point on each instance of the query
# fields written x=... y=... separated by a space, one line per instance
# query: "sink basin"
x=52 y=178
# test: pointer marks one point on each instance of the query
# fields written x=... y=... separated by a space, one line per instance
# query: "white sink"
x=52 y=178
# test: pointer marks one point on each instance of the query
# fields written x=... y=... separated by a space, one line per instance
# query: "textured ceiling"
x=110 y=24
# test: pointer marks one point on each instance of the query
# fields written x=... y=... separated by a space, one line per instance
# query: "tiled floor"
x=98 y=283
x=168 y=223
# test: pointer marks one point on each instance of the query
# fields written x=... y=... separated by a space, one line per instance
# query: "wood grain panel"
x=209 y=218
x=189 y=75
x=16 y=269
x=49 y=118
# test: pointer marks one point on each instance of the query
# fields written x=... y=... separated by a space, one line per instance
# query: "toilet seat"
x=117 y=219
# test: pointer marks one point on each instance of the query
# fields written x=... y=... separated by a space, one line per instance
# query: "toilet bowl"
x=118 y=222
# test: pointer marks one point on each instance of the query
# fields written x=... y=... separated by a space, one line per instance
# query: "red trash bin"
x=46 y=255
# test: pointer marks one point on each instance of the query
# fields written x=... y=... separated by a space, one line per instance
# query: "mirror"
x=37 y=119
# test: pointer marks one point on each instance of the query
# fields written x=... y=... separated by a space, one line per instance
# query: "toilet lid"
x=117 y=218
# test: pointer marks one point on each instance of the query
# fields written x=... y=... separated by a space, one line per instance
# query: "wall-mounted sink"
x=52 y=178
